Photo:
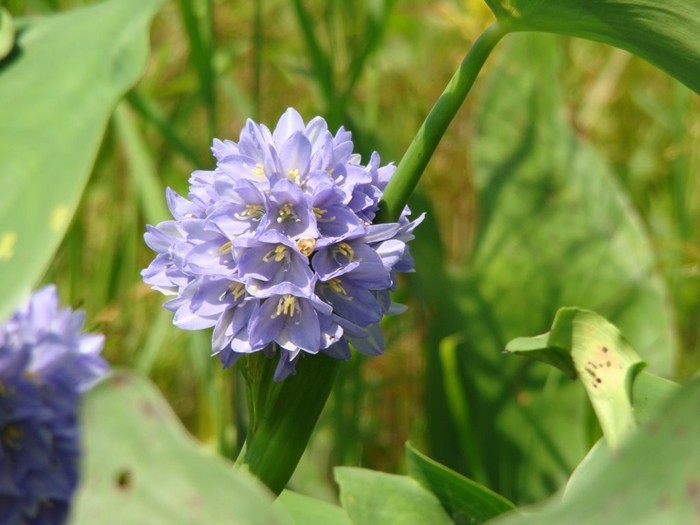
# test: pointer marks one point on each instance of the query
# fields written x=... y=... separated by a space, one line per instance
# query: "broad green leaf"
x=387 y=499
x=466 y=502
x=57 y=91
x=303 y=510
x=140 y=466
x=554 y=229
x=604 y=362
x=664 y=33
x=653 y=478
x=585 y=345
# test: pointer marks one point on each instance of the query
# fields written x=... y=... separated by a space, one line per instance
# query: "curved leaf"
x=387 y=499
x=653 y=478
x=140 y=466
x=664 y=33
x=467 y=502
x=52 y=117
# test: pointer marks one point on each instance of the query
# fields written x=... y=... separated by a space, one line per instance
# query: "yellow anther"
x=287 y=214
x=346 y=250
x=252 y=210
x=238 y=290
x=279 y=254
x=286 y=305
x=318 y=212
x=306 y=245
x=336 y=286
x=226 y=247
x=293 y=174
x=258 y=170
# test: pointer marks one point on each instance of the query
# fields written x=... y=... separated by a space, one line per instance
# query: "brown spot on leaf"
x=124 y=479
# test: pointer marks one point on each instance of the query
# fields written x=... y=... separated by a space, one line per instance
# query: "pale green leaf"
x=664 y=33
x=139 y=465
x=57 y=91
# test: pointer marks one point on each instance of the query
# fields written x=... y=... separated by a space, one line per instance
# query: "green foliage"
x=466 y=502
x=140 y=466
x=382 y=499
x=554 y=228
x=303 y=510
x=7 y=33
x=602 y=359
x=665 y=35
x=653 y=477
x=52 y=118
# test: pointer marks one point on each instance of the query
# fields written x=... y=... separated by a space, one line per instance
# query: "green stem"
x=284 y=415
x=416 y=158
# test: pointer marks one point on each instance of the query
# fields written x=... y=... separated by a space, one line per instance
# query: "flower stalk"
x=283 y=415
x=421 y=149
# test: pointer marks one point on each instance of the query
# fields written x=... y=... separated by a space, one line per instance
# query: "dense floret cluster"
x=275 y=248
x=46 y=363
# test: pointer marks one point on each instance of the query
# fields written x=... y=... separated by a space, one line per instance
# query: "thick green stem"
x=416 y=158
x=284 y=415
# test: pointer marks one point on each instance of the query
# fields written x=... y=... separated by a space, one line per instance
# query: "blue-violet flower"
x=46 y=363
x=275 y=248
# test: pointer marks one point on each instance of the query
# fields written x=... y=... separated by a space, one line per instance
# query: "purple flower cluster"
x=46 y=363
x=275 y=248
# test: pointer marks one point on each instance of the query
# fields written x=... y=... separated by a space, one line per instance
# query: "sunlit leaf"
x=387 y=499
x=58 y=89
x=303 y=510
x=7 y=33
x=140 y=466
x=604 y=362
x=664 y=33
x=653 y=478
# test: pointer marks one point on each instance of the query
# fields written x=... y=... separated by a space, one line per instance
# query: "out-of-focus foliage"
x=665 y=35
x=553 y=228
x=140 y=466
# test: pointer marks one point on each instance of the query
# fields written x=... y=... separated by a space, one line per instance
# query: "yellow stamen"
x=336 y=286
x=226 y=247
x=318 y=212
x=287 y=214
x=258 y=170
x=346 y=250
x=306 y=245
x=286 y=305
x=238 y=290
x=252 y=210
x=279 y=253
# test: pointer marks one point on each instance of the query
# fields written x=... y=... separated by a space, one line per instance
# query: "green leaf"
x=140 y=466
x=664 y=33
x=467 y=502
x=604 y=362
x=304 y=510
x=553 y=229
x=653 y=478
x=52 y=118
x=387 y=499
x=7 y=33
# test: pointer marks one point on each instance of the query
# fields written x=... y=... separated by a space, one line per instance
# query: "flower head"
x=275 y=248
x=46 y=363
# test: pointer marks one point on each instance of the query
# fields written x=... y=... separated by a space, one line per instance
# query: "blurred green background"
x=601 y=209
